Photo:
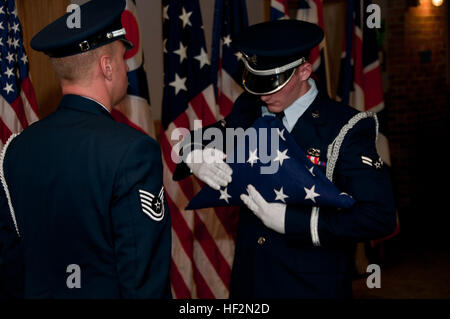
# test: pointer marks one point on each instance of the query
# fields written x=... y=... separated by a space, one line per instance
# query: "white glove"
x=271 y=214
x=208 y=166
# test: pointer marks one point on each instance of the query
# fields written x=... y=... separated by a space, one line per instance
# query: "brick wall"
x=417 y=108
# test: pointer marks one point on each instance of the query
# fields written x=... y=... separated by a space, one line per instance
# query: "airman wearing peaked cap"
x=82 y=207
x=272 y=51
x=290 y=250
x=100 y=25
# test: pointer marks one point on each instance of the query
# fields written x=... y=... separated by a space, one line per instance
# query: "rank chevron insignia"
x=296 y=179
x=152 y=206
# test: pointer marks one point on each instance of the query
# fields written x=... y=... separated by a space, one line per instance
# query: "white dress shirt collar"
x=293 y=112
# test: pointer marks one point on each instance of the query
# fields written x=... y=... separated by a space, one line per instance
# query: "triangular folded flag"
x=268 y=157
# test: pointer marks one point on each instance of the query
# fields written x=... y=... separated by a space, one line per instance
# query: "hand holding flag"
x=208 y=166
x=271 y=214
x=289 y=176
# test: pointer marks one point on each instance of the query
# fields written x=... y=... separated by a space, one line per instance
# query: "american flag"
x=279 y=9
x=312 y=11
x=230 y=18
x=201 y=252
x=135 y=109
x=289 y=175
x=18 y=107
x=360 y=82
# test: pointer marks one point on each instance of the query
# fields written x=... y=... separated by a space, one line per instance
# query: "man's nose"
x=265 y=98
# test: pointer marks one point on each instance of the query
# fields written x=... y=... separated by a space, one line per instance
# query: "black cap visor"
x=128 y=44
x=265 y=84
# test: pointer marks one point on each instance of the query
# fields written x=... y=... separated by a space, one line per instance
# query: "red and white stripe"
x=228 y=90
x=135 y=112
x=202 y=240
x=18 y=115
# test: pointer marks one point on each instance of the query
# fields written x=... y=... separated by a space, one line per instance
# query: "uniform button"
x=261 y=240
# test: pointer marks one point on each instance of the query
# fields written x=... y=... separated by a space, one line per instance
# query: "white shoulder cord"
x=334 y=148
x=3 y=180
x=332 y=156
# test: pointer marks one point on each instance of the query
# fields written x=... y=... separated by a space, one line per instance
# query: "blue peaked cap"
x=100 y=24
x=295 y=178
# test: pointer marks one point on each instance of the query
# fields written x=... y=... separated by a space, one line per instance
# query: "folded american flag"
x=277 y=167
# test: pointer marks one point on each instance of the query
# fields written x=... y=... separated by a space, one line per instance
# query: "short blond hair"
x=79 y=67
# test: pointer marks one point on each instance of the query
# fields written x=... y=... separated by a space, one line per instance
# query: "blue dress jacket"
x=88 y=199
x=295 y=265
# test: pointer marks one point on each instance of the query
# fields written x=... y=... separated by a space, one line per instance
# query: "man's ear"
x=106 y=66
x=305 y=71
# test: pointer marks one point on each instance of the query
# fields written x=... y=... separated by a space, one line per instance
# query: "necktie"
x=280 y=116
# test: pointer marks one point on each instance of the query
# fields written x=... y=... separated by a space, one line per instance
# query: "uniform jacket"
x=86 y=191
x=271 y=265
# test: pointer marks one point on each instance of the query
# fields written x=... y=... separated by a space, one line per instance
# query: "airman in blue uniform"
x=82 y=208
x=300 y=251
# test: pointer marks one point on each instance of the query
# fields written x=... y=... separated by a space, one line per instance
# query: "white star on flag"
x=10 y=57
x=15 y=43
x=165 y=45
x=9 y=72
x=311 y=170
x=178 y=84
x=224 y=195
x=182 y=52
x=185 y=18
x=238 y=55
x=166 y=13
x=253 y=158
x=202 y=58
x=281 y=156
x=8 y=88
x=15 y=27
x=24 y=58
x=227 y=41
x=311 y=194
x=280 y=195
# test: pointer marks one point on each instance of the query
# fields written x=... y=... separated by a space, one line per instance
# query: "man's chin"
x=275 y=109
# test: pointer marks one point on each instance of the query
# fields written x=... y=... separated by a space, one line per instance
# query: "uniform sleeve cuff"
x=297 y=223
